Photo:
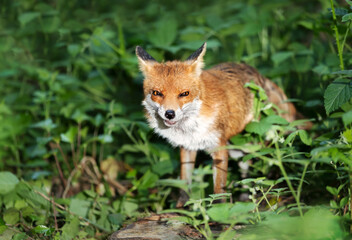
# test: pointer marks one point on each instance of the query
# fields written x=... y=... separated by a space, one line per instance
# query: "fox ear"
x=196 y=59
x=144 y=59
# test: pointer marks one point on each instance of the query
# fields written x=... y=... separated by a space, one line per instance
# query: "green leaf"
x=279 y=57
x=337 y=93
x=306 y=139
x=163 y=167
x=79 y=207
x=347 y=134
x=230 y=213
x=79 y=116
x=8 y=182
x=332 y=190
x=275 y=119
x=70 y=135
x=11 y=216
x=148 y=180
x=97 y=120
x=70 y=229
x=3 y=226
x=42 y=229
x=258 y=127
x=178 y=183
x=73 y=49
x=317 y=223
x=228 y=234
x=20 y=236
x=347 y=17
x=344 y=201
x=27 y=17
x=343 y=72
x=46 y=124
x=116 y=218
x=347 y=118
x=105 y=138
x=165 y=32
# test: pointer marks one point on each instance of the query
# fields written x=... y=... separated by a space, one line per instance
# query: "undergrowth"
x=78 y=160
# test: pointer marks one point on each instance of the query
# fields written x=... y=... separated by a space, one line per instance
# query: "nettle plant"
x=336 y=147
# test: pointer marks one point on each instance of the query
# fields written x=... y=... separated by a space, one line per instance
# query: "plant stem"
x=337 y=36
x=346 y=34
x=283 y=171
x=299 y=190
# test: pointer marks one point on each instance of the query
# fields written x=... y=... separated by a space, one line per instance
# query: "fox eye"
x=184 y=94
x=157 y=93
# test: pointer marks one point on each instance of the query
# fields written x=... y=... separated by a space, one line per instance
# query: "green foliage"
x=317 y=223
x=78 y=159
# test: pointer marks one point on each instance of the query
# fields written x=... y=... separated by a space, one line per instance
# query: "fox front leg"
x=220 y=165
x=188 y=159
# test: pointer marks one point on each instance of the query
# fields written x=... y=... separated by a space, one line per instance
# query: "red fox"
x=197 y=109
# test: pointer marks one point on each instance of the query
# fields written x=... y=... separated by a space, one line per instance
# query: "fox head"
x=172 y=89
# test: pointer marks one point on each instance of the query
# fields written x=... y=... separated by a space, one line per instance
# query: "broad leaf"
x=337 y=93
x=8 y=182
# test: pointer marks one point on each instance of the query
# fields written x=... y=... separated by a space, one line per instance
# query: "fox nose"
x=170 y=114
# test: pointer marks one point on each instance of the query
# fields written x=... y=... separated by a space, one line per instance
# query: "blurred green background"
x=66 y=61
x=70 y=89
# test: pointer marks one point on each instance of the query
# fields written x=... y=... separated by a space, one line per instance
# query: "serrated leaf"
x=343 y=72
x=8 y=182
x=337 y=93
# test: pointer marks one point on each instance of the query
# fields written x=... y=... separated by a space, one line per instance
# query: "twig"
x=73 y=154
x=78 y=140
x=69 y=182
x=60 y=170
x=24 y=226
x=337 y=36
x=64 y=157
x=54 y=213
x=68 y=211
x=120 y=188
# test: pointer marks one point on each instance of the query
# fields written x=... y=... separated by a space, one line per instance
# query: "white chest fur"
x=195 y=134
x=193 y=131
